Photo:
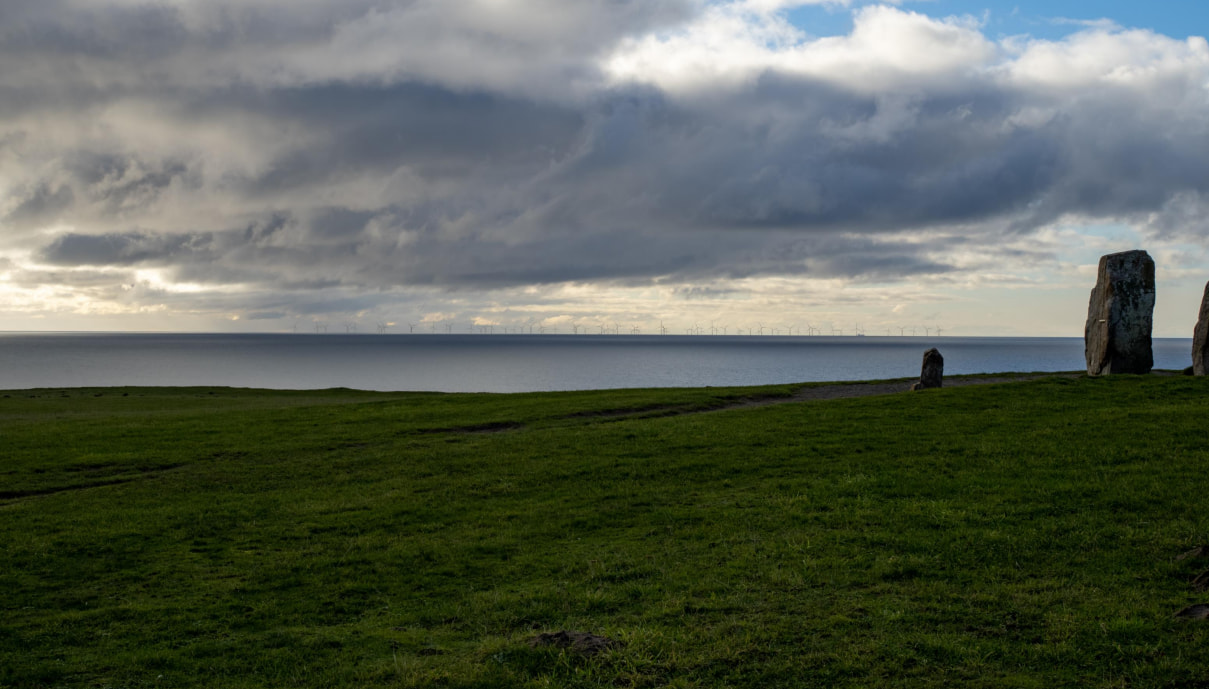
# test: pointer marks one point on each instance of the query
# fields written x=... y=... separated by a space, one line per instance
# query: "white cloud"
x=774 y=6
x=887 y=49
x=1098 y=58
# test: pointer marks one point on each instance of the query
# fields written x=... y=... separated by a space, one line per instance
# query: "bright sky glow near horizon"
x=272 y=165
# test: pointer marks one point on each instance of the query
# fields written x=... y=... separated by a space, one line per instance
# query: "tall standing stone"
x=932 y=373
x=1200 y=339
x=1120 y=314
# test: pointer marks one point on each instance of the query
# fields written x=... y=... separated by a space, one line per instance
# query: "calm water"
x=512 y=363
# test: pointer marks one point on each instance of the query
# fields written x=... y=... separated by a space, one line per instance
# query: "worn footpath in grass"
x=1017 y=535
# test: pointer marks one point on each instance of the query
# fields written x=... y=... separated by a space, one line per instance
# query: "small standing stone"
x=933 y=372
x=1120 y=314
x=1200 y=339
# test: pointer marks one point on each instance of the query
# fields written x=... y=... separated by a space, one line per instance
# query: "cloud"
x=888 y=49
x=319 y=155
x=531 y=46
x=114 y=250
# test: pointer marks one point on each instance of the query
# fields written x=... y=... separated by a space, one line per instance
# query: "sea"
x=512 y=363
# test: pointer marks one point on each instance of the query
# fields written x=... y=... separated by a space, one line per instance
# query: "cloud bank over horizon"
x=310 y=159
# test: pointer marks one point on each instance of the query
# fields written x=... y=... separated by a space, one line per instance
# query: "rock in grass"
x=1120 y=315
x=933 y=372
x=583 y=643
x=1200 y=338
x=1200 y=611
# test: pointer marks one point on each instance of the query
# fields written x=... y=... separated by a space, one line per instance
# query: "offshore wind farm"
x=484 y=326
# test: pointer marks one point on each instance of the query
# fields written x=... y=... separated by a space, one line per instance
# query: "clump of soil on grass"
x=1201 y=582
x=1195 y=554
x=583 y=643
x=1200 y=611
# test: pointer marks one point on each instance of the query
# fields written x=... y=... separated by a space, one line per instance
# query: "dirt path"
x=808 y=393
x=845 y=390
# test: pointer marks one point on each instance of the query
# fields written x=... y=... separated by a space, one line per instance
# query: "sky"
x=696 y=165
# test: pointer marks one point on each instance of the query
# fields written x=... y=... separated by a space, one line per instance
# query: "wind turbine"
x=662 y=330
x=938 y=331
x=411 y=328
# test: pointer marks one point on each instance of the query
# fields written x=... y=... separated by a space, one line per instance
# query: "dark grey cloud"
x=297 y=148
x=121 y=249
x=73 y=278
x=216 y=43
x=440 y=133
x=41 y=204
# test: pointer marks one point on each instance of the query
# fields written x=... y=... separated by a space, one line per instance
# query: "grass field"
x=1015 y=535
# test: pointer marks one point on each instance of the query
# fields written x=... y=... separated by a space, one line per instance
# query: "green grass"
x=1018 y=535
